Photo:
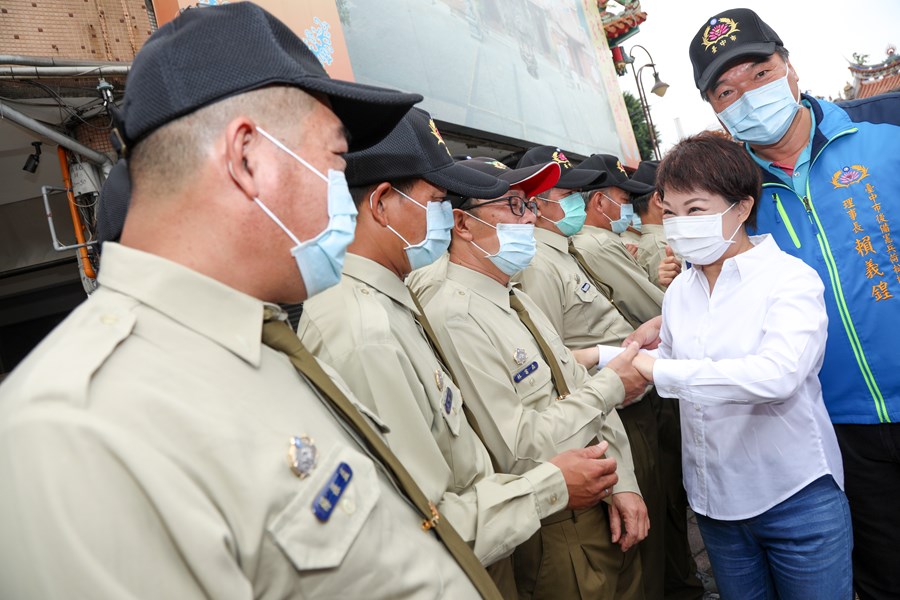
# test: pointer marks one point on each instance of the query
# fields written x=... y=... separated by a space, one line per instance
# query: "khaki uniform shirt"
x=629 y=237
x=425 y=282
x=143 y=454
x=575 y=307
x=652 y=250
x=507 y=382
x=366 y=329
x=634 y=294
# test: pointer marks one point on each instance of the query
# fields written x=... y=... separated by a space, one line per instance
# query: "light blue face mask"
x=575 y=214
x=762 y=116
x=636 y=221
x=438 y=223
x=517 y=246
x=626 y=212
x=321 y=259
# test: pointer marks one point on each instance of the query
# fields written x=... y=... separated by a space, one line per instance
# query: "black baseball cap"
x=726 y=37
x=615 y=173
x=532 y=180
x=416 y=149
x=112 y=206
x=208 y=54
x=570 y=177
x=646 y=173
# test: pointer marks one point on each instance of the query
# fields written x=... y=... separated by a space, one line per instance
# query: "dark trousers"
x=872 y=483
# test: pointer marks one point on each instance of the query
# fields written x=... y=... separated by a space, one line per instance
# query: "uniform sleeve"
x=94 y=513
x=794 y=330
x=613 y=430
x=494 y=514
x=542 y=287
x=521 y=438
x=634 y=294
x=649 y=256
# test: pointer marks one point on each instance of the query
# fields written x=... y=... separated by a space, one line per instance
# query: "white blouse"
x=744 y=362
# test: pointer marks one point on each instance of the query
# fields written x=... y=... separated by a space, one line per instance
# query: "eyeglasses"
x=517 y=204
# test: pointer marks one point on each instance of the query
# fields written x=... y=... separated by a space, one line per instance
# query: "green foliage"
x=639 y=125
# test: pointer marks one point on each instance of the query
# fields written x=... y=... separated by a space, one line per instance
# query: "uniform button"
x=460 y=292
x=697 y=407
x=348 y=505
x=365 y=291
x=553 y=499
x=109 y=319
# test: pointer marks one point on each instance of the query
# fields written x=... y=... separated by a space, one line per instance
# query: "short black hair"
x=360 y=193
x=710 y=163
x=641 y=203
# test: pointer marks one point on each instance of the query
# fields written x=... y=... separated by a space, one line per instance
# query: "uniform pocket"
x=311 y=542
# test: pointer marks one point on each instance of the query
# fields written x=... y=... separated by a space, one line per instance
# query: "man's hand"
x=668 y=268
x=632 y=249
x=647 y=335
x=589 y=477
x=634 y=382
x=643 y=362
x=628 y=519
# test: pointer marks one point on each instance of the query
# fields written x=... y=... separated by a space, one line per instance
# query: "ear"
x=461 y=225
x=744 y=208
x=240 y=160
x=377 y=196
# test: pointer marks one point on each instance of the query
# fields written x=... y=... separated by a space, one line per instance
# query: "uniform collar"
x=599 y=232
x=380 y=278
x=222 y=314
x=478 y=283
x=652 y=228
x=554 y=240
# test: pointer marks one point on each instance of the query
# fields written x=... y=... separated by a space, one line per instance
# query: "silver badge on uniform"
x=520 y=356
x=302 y=455
x=439 y=379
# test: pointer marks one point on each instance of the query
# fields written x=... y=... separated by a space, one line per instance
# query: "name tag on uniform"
x=585 y=286
x=331 y=493
x=525 y=372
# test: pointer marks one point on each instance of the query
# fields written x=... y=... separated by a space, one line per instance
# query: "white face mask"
x=699 y=238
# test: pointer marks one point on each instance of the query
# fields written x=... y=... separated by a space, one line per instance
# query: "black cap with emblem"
x=209 y=54
x=416 y=149
x=615 y=174
x=723 y=39
x=570 y=178
x=532 y=180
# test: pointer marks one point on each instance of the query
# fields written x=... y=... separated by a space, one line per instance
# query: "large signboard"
x=536 y=71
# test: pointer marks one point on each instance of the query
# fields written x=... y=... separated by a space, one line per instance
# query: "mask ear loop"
x=267 y=211
x=395 y=232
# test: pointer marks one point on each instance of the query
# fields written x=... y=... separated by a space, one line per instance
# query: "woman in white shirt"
x=742 y=340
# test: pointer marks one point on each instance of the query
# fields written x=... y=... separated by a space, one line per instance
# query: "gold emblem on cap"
x=620 y=167
x=437 y=134
x=497 y=164
x=559 y=157
x=719 y=31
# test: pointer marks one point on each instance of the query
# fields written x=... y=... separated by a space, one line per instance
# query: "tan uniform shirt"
x=575 y=307
x=507 y=381
x=365 y=328
x=143 y=454
x=652 y=250
x=425 y=282
x=629 y=237
x=634 y=294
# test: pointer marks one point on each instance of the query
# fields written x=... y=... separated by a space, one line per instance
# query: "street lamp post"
x=659 y=88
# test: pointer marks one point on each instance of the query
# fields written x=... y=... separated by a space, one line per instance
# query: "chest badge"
x=302 y=455
x=439 y=379
x=330 y=494
x=518 y=377
x=520 y=356
x=585 y=286
x=448 y=400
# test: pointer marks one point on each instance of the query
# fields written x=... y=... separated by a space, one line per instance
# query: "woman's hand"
x=643 y=363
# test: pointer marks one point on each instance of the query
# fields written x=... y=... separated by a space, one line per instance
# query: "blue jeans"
x=797 y=550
